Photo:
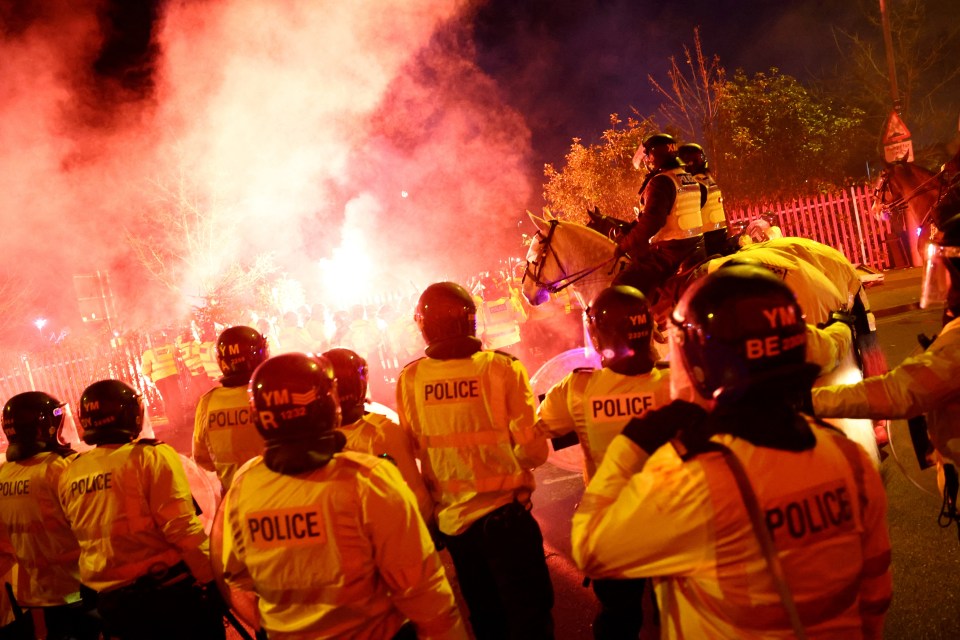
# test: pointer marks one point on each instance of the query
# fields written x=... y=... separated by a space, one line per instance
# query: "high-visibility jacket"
x=597 y=404
x=33 y=526
x=712 y=215
x=208 y=359
x=363 y=336
x=190 y=355
x=927 y=383
x=683 y=221
x=337 y=552
x=498 y=321
x=131 y=509
x=224 y=436
x=159 y=362
x=684 y=524
x=380 y=436
x=471 y=421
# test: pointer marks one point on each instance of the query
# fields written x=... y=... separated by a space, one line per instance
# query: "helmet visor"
x=938 y=275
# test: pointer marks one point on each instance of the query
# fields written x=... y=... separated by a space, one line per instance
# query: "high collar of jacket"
x=454 y=348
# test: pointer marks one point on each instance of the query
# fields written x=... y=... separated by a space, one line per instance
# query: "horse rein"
x=568 y=279
x=902 y=201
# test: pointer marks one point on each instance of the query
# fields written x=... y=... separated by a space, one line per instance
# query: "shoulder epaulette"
x=661 y=364
x=150 y=442
x=584 y=369
x=504 y=353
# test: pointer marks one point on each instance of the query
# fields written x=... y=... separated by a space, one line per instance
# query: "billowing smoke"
x=353 y=147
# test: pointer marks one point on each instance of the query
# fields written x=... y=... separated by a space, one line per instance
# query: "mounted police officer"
x=669 y=229
x=756 y=520
x=143 y=550
x=712 y=216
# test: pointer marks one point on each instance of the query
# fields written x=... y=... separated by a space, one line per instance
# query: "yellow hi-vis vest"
x=597 y=404
x=208 y=358
x=159 y=363
x=472 y=423
x=33 y=527
x=132 y=510
x=499 y=322
x=337 y=552
x=712 y=216
x=224 y=436
x=825 y=508
x=683 y=220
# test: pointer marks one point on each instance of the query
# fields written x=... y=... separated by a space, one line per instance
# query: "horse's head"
x=562 y=254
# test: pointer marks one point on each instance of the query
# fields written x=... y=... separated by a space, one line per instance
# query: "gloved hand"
x=845 y=317
x=656 y=428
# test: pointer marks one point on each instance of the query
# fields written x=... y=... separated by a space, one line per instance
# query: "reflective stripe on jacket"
x=159 y=363
x=33 y=527
x=472 y=424
x=337 y=552
x=597 y=404
x=224 y=436
x=683 y=221
x=684 y=524
x=131 y=509
x=378 y=435
x=712 y=216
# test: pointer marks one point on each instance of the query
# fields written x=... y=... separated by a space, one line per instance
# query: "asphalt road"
x=926 y=558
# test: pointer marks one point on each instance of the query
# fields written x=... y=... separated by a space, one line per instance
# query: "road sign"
x=898 y=151
x=895 y=130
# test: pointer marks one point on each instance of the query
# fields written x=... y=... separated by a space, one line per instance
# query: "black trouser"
x=651 y=269
x=77 y=621
x=503 y=575
x=621 y=609
x=171 y=606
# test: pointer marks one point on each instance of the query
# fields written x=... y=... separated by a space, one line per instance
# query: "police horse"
x=912 y=198
x=566 y=254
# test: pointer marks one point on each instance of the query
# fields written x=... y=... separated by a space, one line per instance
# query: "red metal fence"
x=842 y=220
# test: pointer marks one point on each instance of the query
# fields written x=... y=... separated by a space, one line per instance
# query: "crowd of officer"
x=726 y=506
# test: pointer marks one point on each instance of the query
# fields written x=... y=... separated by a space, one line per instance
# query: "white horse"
x=565 y=254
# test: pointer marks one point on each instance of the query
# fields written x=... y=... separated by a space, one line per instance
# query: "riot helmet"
x=739 y=327
x=33 y=422
x=240 y=350
x=351 y=373
x=293 y=397
x=941 y=276
x=446 y=311
x=693 y=157
x=620 y=325
x=110 y=412
x=654 y=152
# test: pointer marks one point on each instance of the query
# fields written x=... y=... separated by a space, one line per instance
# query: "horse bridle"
x=901 y=202
x=556 y=286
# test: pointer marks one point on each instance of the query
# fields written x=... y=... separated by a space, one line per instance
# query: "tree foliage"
x=598 y=175
x=775 y=140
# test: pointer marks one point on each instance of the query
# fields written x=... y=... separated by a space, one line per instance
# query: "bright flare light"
x=40 y=323
x=348 y=274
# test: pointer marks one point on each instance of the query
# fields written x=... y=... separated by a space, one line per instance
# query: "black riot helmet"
x=293 y=397
x=740 y=327
x=33 y=422
x=351 y=373
x=656 y=152
x=110 y=412
x=240 y=350
x=446 y=311
x=620 y=326
x=693 y=157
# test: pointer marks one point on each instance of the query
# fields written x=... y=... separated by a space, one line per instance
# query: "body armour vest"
x=683 y=221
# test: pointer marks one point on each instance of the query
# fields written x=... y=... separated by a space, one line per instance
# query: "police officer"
x=925 y=384
x=142 y=548
x=32 y=523
x=756 y=520
x=470 y=414
x=224 y=436
x=596 y=404
x=159 y=364
x=500 y=314
x=669 y=229
x=331 y=541
x=374 y=433
x=712 y=215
